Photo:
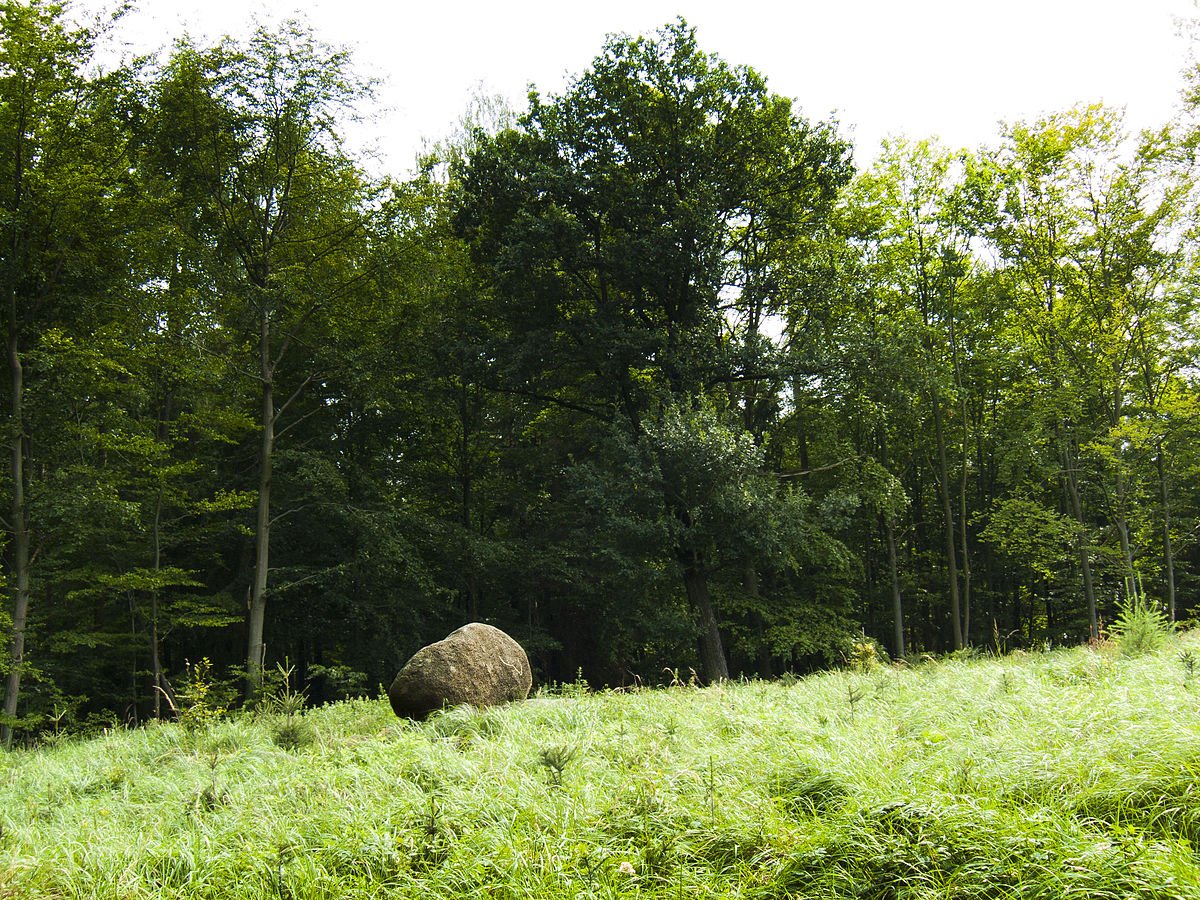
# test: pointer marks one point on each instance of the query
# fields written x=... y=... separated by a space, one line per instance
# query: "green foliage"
x=203 y=698
x=610 y=222
x=555 y=760
x=866 y=655
x=644 y=363
x=342 y=682
x=1140 y=626
x=1190 y=662
x=1030 y=534
x=283 y=706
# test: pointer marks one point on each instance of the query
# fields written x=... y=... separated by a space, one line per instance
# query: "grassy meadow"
x=1063 y=774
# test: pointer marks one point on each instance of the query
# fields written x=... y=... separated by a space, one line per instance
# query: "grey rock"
x=477 y=664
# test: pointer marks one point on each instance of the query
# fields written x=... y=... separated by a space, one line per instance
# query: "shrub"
x=865 y=655
x=285 y=708
x=1140 y=626
x=203 y=699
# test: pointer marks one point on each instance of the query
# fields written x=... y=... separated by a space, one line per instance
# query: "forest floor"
x=1072 y=773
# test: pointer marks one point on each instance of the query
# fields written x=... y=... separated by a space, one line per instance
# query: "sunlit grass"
x=1067 y=774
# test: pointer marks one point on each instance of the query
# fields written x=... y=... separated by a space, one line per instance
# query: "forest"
x=649 y=374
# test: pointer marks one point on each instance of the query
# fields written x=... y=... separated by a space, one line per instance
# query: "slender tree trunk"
x=801 y=426
x=256 y=649
x=965 y=560
x=155 y=652
x=962 y=533
x=466 y=491
x=948 y=527
x=762 y=650
x=20 y=528
x=1126 y=554
x=712 y=650
x=1014 y=591
x=1168 y=551
x=1085 y=562
x=1122 y=521
x=134 y=715
x=897 y=599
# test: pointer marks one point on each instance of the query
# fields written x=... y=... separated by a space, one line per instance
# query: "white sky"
x=951 y=68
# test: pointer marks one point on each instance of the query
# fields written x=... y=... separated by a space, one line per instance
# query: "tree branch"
x=813 y=471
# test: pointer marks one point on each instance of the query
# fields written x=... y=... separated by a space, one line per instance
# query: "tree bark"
x=712 y=650
x=762 y=651
x=255 y=648
x=466 y=495
x=964 y=535
x=948 y=527
x=155 y=652
x=965 y=559
x=1122 y=521
x=897 y=599
x=20 y=528
x=1085 y=562
x=1168 y=550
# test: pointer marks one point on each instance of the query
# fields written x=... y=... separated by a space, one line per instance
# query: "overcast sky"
x=951 y=68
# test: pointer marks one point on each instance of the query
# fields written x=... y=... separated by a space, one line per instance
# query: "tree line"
x=651 y=375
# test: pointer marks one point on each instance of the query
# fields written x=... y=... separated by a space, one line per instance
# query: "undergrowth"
x=1065 y=774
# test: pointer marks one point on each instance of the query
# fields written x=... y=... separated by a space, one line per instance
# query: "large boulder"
x=477 y=664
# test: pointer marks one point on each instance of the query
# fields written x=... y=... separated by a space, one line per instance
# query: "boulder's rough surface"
x=477 y=664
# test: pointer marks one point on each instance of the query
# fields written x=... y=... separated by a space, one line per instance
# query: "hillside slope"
x=1065 y=774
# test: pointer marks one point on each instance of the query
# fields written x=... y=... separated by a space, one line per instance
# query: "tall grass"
x=1068 y=774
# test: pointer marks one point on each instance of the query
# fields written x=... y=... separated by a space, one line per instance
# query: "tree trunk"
x=762 y=650
x=134 y=715
x=466 y=496
x=712 y=651
x=1085 y=562
x=256 y=649
x=965 y=560
x=963 y=536
x=1131 y=585
x=1123 y=535
x=948 y=527
x=20 y=529
x=897 y=600
x=1168 y=551
x=155 y=652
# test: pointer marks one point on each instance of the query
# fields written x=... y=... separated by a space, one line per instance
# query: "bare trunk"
x=712 y=650
x=1168 y=550
x=1127 y=554
x=1085 y=562
x=962 y=534
x=801 y=425
x=255 y=648
x=133 y=715
x=466 y=492
x=948 y=528
x=763 y=651
x=897 y=599
x=965 y=560
x=1123 y=533
x=20 y=530
x=155 y=654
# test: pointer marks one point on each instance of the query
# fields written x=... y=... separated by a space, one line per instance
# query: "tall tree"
x=253 y=130
x=63 y=206
x=1085 y=220
x=617 y=222
x=916 y=269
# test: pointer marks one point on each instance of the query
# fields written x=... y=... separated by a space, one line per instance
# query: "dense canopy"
x=647 y=374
